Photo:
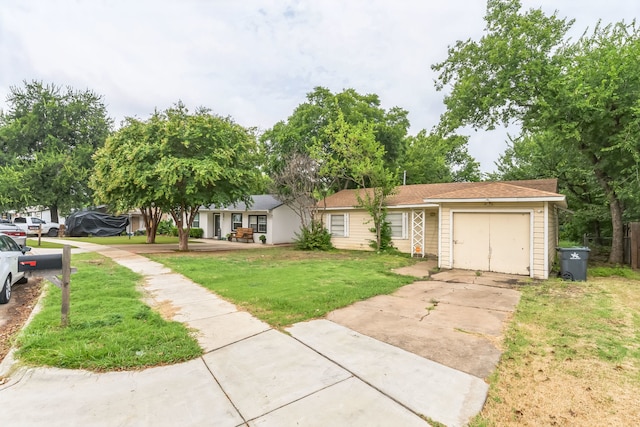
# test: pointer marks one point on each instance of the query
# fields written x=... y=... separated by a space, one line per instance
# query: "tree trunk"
x=54 y=213
x=183 y=235
x=617 y=242
x=152 y=230
x=151 y=216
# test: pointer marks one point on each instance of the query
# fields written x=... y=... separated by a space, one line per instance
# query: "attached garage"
x=492 y=241
x=504 y=227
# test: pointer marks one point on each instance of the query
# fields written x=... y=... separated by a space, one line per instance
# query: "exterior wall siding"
x=282 y=224
x=553 y=234
x=360 y=236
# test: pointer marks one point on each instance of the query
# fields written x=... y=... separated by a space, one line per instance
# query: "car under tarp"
x=92 y=223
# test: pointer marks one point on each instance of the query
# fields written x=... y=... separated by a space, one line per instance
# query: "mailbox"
x=40 y=262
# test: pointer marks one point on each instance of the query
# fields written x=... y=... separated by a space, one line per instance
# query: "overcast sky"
x=255 y=60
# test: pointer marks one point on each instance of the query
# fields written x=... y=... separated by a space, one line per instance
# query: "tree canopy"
x=357 y=157
x=309 y=121
x=583 y=96
x=48 y=136
x=178 y=161
x=432 y=158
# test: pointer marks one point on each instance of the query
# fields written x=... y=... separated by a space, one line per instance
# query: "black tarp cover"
x=91 y=223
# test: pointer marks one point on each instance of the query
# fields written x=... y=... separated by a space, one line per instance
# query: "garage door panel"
x=498 y=242
x=510 y=243
x=471 y=241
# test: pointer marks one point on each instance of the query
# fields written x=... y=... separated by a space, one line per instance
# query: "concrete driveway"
x=456 y=319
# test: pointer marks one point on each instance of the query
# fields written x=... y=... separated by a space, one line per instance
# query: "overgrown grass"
x=282 y=286
x=110 y=328
x=569 y=244
x=125 y=240
x=572 y=355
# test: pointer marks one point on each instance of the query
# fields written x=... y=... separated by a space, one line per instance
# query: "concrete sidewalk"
x=250 y=375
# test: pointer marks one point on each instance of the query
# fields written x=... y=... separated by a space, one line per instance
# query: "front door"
x=217 y=232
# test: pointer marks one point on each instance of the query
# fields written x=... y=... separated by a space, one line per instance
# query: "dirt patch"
x=166 y=309
x=14 y=314
x=543 y=391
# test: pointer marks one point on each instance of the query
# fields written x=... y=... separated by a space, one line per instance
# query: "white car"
x=15 y=232
x=9 y=274
x=32 y=226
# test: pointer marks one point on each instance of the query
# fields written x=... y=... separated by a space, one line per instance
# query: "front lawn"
x=283 y=286
x=110 y=327
x=572 y=355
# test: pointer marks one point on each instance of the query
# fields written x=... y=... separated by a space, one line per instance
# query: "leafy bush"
x=386 y=245
x=313 y=238
x=165 y=226
x=196 y=233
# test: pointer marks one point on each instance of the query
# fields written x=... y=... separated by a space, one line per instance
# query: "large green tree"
x=431 y=158
x=186 y=160
x=308 y=123
x=357 y=157
x=124 y=175
x=539 y=157
x=583 y=95
x=49 y=134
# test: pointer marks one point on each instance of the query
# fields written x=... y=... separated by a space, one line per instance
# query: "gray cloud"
x=253 y=60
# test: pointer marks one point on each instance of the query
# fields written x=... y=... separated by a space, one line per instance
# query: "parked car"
x=9 y=274
x=15 y=232
x=32 y=225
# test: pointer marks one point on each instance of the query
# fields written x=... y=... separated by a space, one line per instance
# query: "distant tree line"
x=576 y=103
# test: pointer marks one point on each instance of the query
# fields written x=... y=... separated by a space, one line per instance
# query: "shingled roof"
x=421 y=194
x=261 y=202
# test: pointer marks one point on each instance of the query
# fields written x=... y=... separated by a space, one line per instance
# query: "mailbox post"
x=49 y=267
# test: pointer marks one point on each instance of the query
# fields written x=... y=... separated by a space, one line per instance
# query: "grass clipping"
x=573 y=357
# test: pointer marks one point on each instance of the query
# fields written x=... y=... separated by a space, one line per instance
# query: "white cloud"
x=254 y=60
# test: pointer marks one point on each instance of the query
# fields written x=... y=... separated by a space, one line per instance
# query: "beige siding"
x=553 y=233
x=360 y=236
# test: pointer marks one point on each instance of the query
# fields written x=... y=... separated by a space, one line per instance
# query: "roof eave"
x=561 y=200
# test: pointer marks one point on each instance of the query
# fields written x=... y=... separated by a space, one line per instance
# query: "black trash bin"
x=573 y=263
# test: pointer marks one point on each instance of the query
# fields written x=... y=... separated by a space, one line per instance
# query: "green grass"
x=49 y=245
x=581 y=320
x=110 y=328
x=283 y=286
x=125 y=240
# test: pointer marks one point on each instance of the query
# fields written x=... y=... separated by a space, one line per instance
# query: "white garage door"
x=498 y=242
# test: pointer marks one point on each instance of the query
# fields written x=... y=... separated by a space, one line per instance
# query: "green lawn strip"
x=48 y=245
x=581 y=320
x=125 y=240
x=110 y=327
x=285 y=286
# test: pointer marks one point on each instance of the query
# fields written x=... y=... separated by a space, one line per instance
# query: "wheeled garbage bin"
x=573 y=263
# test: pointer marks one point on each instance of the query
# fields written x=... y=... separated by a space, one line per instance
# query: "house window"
x=258 y=223
x=196 y=221
x=236 y=221
x=398 y=223
x=339 y=225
